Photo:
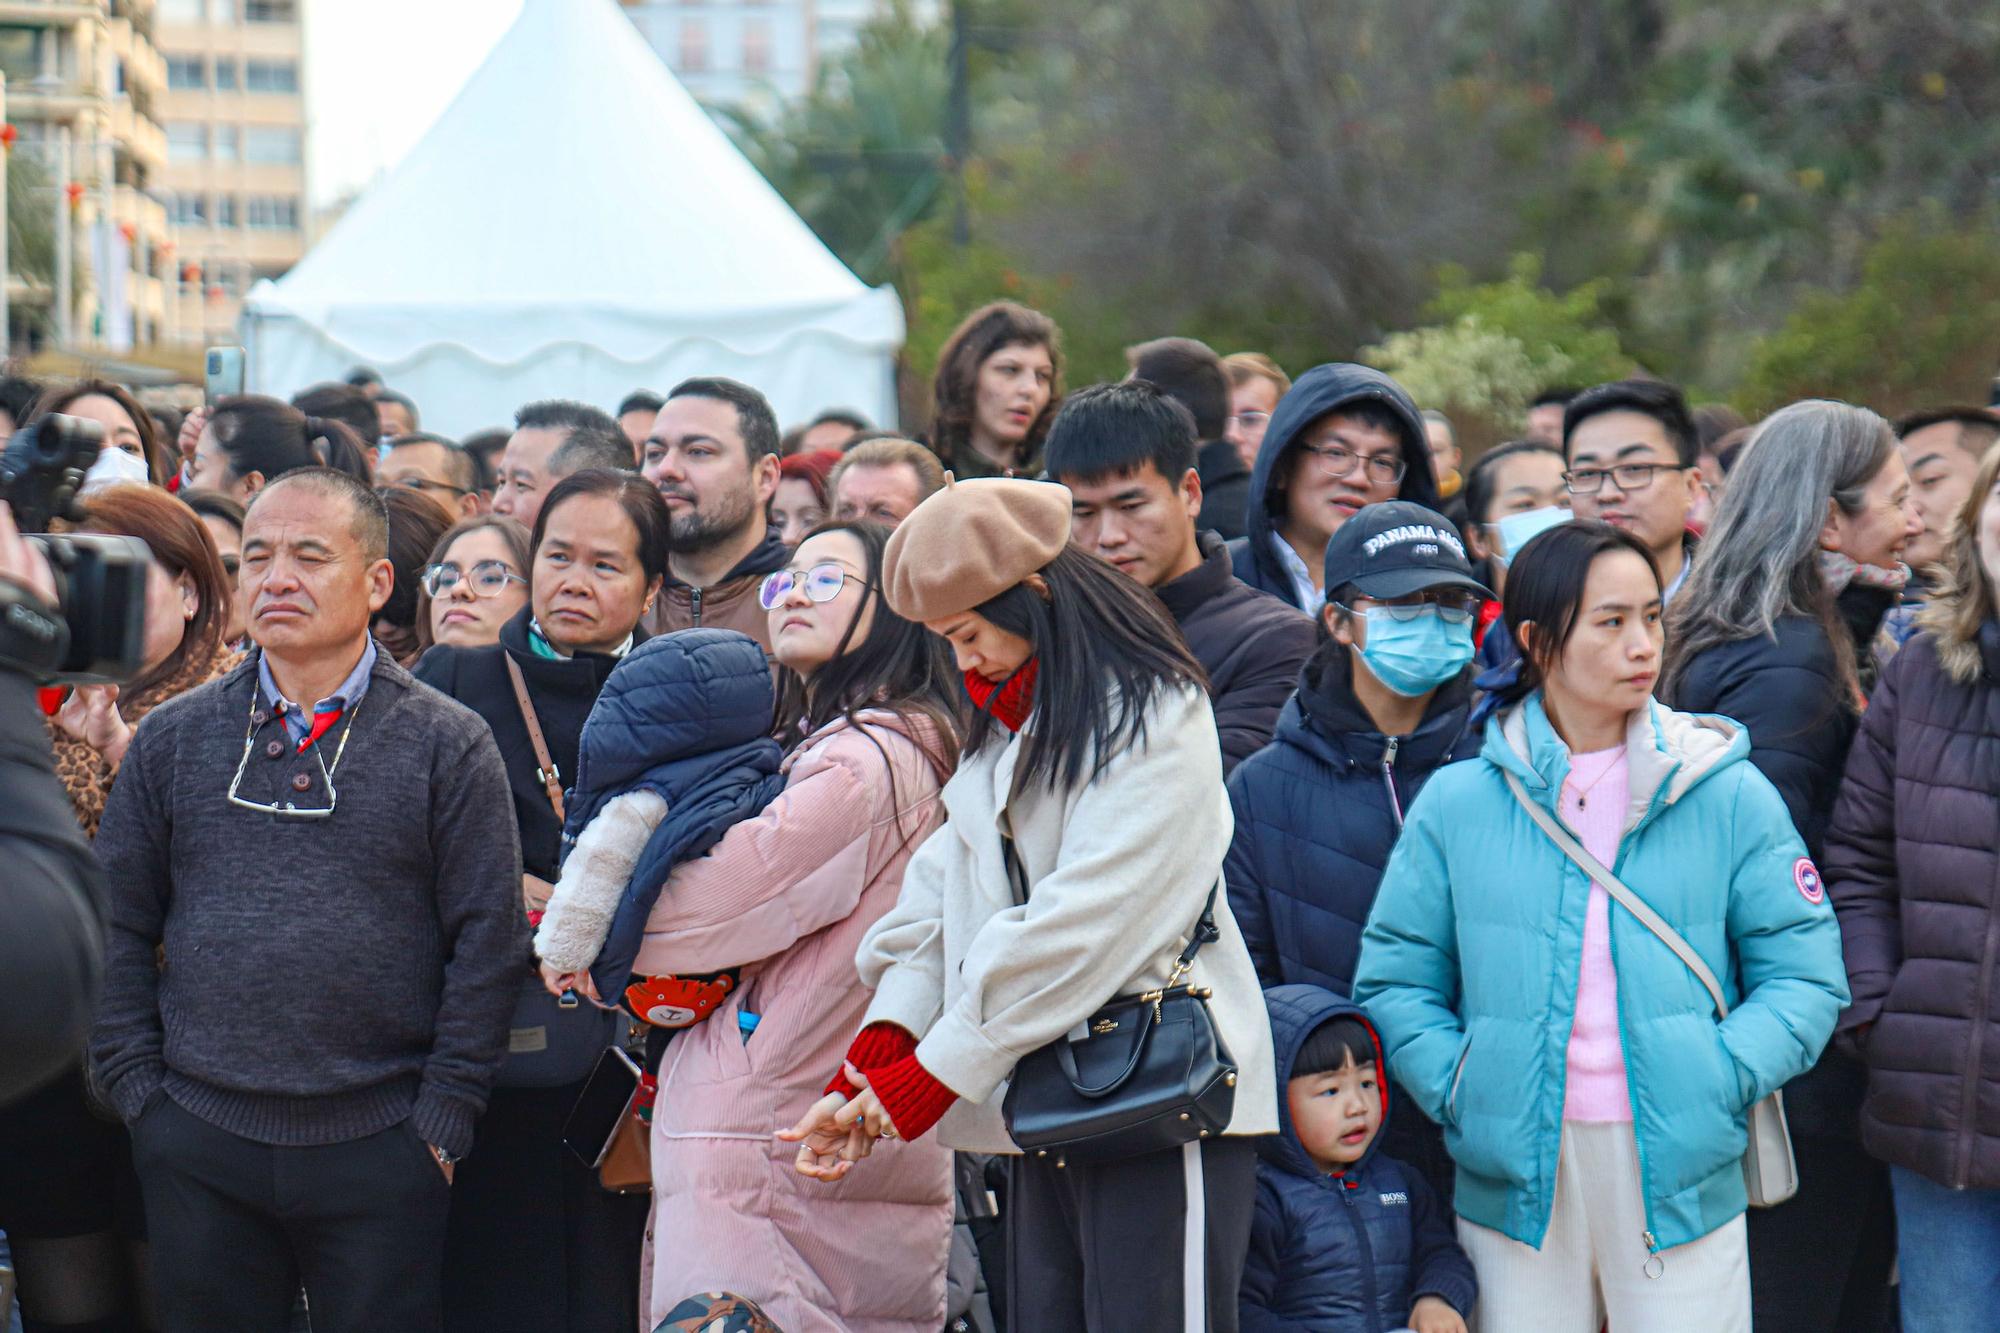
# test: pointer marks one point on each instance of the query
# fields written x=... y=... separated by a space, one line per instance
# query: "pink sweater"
x=1593 y=804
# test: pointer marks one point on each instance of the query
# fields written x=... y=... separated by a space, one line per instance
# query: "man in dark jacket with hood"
x=1191 y=374
x=1344 y=437
x=1345 y=1239
x=1126 y=453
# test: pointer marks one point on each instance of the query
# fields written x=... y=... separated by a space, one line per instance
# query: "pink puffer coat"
x=787 y=896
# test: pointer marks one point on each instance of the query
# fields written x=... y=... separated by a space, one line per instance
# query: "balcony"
x=46 y=13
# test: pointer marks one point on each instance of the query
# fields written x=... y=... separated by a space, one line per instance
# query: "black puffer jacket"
x=1913 y=863
x=1786 y=690
x=1225 y=488
x=1250 y=644
x=1321 y=390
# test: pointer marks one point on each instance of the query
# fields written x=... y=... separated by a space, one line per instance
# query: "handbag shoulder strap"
x=1205 y=929
x=550 y=777
x=1617 y=888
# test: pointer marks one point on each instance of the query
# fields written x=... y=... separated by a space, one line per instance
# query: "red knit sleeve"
x=876 y=1045
x=914 y=1099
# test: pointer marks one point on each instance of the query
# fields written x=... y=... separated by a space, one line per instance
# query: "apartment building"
x=83 y=85
x=755 y=53
x=235 y=178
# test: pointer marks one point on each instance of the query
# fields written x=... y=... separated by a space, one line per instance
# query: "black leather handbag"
x=1148 y=1073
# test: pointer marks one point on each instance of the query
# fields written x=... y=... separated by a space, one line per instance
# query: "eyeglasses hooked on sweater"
x=823 y=583
x=289 y=809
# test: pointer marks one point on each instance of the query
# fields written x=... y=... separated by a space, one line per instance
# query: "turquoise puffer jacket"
x=1470 y=959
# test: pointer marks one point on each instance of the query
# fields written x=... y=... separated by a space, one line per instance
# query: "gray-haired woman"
x=1791 y=582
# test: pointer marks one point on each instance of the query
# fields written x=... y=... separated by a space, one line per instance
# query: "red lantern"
x=75 y=192
x=191 y=273
x=128 y=231
x=8 y=134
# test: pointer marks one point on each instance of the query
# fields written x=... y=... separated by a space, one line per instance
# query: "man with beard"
x=713 y=454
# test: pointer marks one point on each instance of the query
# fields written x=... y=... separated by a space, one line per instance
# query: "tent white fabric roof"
x=575 y=226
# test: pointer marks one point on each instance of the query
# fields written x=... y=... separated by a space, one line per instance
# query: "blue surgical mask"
x=1415 y=656
x=1516 y=530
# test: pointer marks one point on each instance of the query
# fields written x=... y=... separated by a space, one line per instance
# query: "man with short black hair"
x=1943 y=447
x=635 y=417
x=540 y=429
x=398 y=413
x=435 y=465
x=324 y=854
x=1545 y=413
x=1192 y=375
x=590 y=446
x=1127 y=454
x=713 y=454
x=832 y=429
x=1343 y=437
x=1634 y=461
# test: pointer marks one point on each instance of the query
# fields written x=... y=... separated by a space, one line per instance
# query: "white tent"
x=575 y=226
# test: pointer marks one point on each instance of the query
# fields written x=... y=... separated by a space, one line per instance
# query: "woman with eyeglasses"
x=534 y=1241
x=869 y=712
x=1093 y=749
x=1594 y=1103
x=1802 y=562
x=474 y=583
x=223 y=517
x=68 y=1196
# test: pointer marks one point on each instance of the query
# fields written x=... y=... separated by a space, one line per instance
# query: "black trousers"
x=236 y=1226
x=1113 y=1247
x=1819 y=1262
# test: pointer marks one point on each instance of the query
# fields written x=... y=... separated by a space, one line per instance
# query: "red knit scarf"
x=1009 y=702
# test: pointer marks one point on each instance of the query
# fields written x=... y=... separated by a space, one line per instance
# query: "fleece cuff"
x=914 y=1100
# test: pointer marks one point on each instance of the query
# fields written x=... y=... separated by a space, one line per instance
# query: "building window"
x=694 y=47
x=187 y=210
x=756 y=46
x=271 y=76
x=271 y=11
x=226 y=214
x=272 y=145
x=225 y=74
x=228 y=146
x=187 y=141
x=186 y=72
x=271 y=212
x=182 y=11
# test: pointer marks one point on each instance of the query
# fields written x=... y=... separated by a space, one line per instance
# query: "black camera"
x=100 y=634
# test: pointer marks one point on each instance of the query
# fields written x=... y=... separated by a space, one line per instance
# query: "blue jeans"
x=1947 y=1242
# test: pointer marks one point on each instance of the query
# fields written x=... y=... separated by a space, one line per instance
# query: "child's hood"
x=1296 y=1011
x=675 y=696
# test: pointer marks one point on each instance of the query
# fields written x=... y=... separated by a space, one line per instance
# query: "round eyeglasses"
x=489 y=578
x=822 y=582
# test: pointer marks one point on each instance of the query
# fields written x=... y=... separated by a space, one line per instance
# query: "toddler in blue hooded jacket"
x=1344 y=1240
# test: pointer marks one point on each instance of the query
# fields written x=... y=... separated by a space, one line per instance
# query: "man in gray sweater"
x=314 y=942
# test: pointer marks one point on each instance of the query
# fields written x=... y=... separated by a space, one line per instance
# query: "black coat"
x=1786 y=690
x=562 y=690
x=1913 y=864
x=1250 y=644
x=1225 y=488
x=1321 y=390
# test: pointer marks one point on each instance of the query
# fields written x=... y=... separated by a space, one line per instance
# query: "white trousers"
x=1593 y=1262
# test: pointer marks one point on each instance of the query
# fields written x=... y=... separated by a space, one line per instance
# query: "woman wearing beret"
x=1093 y=744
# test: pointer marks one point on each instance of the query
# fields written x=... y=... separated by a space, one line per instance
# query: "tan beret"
x=972 y=541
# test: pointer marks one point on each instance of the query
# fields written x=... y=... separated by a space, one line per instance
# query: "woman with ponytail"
x=1094 y=748
x=249 y=441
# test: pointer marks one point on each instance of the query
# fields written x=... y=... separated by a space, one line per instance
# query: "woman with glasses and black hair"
x=1094 y=750
x=1595 y=1107
x=474 y=583
x=534 y=1241
x=869 y=712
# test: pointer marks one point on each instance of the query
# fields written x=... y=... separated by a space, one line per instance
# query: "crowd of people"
x=1514 y=834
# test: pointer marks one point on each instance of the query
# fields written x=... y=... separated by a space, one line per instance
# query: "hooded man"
x=1344 y=437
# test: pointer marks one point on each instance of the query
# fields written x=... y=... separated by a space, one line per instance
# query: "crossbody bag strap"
x=550 y=776
x=1616 y=887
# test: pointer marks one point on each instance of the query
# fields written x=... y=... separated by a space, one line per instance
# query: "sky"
x=380 y=72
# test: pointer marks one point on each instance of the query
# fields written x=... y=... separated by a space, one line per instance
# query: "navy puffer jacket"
x=1348 y=1253
x=1315 y=820
x=688 y=716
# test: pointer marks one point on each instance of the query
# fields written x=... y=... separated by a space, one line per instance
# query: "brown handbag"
x=627 y=1167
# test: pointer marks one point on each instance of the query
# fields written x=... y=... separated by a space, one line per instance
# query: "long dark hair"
x=1106 y=647
x=61 y=398
x=955 y=391
x=1545 y=585
x=416 y=522
x=263 y=435
x=900 y=667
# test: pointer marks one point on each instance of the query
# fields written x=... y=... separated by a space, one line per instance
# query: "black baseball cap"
x=1396 y=548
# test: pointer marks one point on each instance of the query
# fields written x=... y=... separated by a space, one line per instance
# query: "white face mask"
x=1516 y=530
x=114 y=465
